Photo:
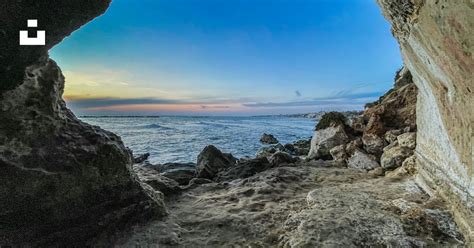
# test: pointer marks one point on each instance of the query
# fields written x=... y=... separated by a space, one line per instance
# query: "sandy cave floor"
x=302 y=206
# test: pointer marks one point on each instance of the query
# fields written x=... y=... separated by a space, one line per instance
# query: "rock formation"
x=62 y=182
x=437 y=44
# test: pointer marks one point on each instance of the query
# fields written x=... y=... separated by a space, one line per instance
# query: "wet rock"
x=361 y=160
x=407 y=140
x=393 y=157
x=268 y=139
x=325 y=139
x=141 y=158
x=373 y=144
x=281 y=158
x=211 y=160
x=244 y=169
x=158 y=182
x=339 y=154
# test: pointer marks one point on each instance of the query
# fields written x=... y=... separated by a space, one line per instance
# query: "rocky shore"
x=363 y=181
x=351 y=185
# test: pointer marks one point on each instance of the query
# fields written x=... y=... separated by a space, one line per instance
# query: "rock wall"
x=62 y=182
x=437 y=43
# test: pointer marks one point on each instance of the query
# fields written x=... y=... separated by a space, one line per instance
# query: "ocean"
x=181 y=139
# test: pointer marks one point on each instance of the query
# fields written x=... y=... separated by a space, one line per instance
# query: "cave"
x=64 y=179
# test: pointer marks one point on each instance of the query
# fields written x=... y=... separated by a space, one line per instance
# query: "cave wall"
x=62 y=181
x=437 y=44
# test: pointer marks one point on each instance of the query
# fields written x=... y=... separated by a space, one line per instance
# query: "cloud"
x=337 y=100
x=297 y=93
x=214 y=107
x=84 y=103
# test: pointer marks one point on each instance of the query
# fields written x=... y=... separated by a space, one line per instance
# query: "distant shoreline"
x=313 y=115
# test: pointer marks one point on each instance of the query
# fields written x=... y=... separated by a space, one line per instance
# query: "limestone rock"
x=393 y=158
x=211 y=160
x=281 y=158
x=352 y=146
x=60 y=177
x=181 y=175
x=325 y=139
x=391 y=135
x=339 y=154
x=244 y=169
x=361 y=160
x=373 y=144
x=158 y=182
x=407 y=140
x=268 y=139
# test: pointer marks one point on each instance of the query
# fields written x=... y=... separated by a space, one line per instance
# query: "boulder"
x=302 y=147
x=358 y=124
x=375 y=125
x=353 y=145
x=407 y=140
x=181 y=175
x=325 y=139
x=244 y=169
x=331 y=119
x=268 y=151
x=373 y=144
x=211 y=160
x=141 y=158
x=391 y=135
x=393 y=157
x=268 y=139
x=361 y=160
x=152 y=177
x=282 y=158
x=339 y=154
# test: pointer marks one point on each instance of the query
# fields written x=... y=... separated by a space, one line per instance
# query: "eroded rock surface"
x=437 y=44
x=302 y=206
x=62 y=182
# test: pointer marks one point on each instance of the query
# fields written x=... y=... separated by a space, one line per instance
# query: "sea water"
x=180 y=139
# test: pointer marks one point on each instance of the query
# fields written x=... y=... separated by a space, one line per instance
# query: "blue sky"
x=234 y=57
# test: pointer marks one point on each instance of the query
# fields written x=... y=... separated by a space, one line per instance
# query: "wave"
x=157 y=126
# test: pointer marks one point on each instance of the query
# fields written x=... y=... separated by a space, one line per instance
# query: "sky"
x=233 y=57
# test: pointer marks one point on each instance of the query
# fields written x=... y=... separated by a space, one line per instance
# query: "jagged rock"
x=375 y=125
x=373 y=144
x=361 y=160
x=407 y=140
x=339 y=154
x=211 y=160
x=62 y=181
x=325 y=139
x=244 y=169
x=268 y=139
x=298 y=148
x=141 y=158
x=393 y=157
x=353 y=145
x=152 y=177
x=268 y=151
x=391 y=135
